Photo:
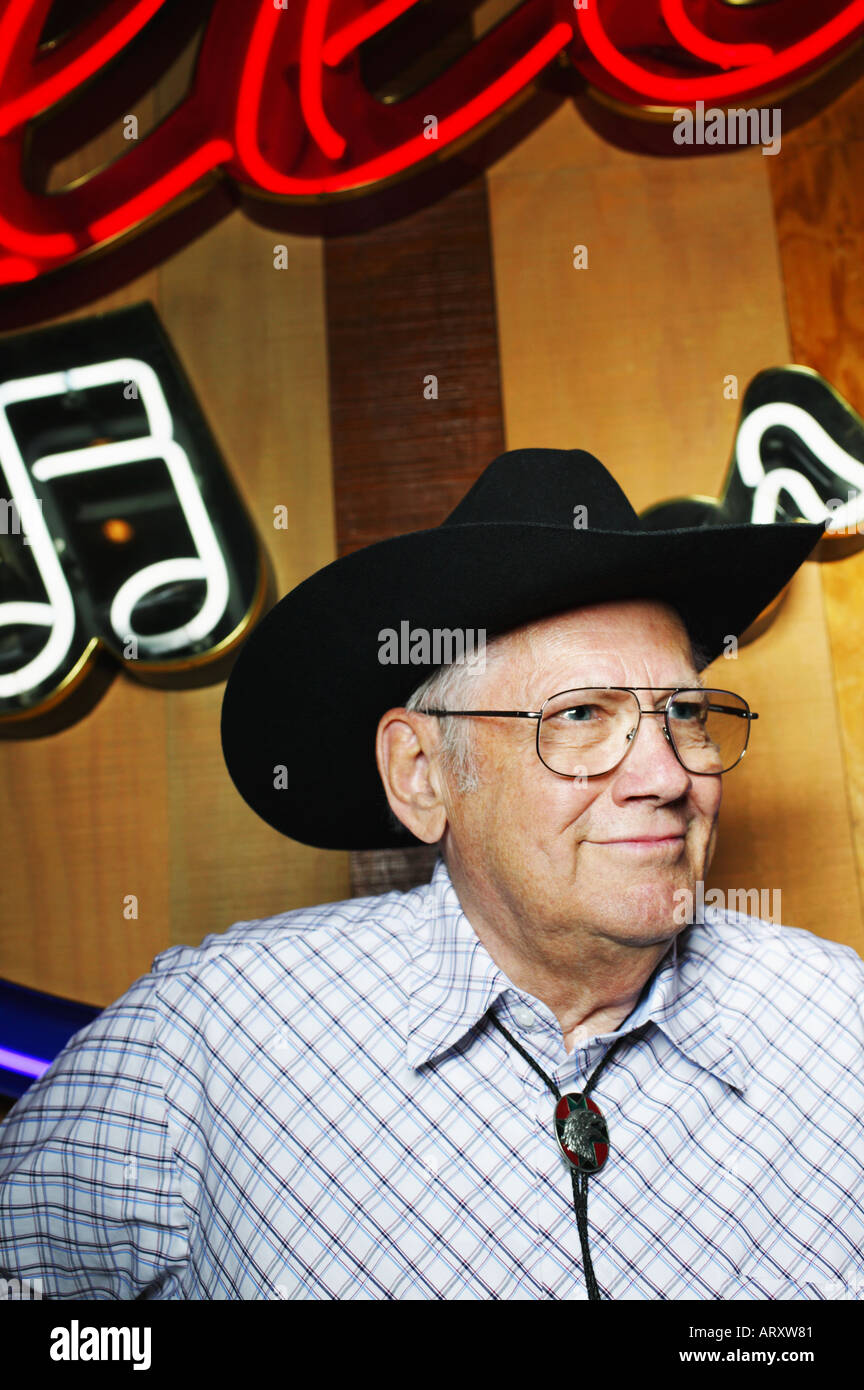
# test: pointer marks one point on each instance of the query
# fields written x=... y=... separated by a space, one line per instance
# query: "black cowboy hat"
x=540 y=532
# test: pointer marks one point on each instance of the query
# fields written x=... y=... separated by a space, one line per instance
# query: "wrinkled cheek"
x=709 y=850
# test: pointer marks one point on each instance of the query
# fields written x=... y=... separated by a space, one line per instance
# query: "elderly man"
x=415 y=1095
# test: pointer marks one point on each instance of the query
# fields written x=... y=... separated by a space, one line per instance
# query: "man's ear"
x=405 y=748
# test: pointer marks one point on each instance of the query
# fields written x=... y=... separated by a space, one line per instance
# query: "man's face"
x=559 y=852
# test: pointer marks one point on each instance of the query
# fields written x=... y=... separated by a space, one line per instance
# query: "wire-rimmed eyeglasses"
x=588 y=731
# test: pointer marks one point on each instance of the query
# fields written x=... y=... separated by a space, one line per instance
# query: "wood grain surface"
x=817 y=184
x=406 y=303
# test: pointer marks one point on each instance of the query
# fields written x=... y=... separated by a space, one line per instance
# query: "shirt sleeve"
x=90 y=1201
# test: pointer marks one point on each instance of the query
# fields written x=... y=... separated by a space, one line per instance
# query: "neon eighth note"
x=131 y=540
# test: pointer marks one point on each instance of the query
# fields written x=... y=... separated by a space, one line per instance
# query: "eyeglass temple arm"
x=727 y=709
x=535 y=714
x=501 y=713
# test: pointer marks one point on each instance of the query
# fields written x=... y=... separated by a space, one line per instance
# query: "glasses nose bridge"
x=660 y=714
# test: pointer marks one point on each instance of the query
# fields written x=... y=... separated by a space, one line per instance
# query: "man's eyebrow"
x=696 y=684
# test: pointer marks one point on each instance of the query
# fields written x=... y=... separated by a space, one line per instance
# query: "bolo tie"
x=582 y=1137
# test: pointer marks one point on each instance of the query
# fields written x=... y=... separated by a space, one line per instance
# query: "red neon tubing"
x=14 y=269
x=44 y=94
x=724 y=55
x=688 y=89
x=36 y=243
x=350 y=36
x=328 y=139
x=403 y=156
x=177 y=180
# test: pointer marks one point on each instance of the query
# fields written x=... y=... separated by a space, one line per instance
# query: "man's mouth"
x=644 y=844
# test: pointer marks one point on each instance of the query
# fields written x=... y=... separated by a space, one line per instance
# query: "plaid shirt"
x=314 y=1106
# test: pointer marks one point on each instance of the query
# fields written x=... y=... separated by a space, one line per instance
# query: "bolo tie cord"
x=580 y=1180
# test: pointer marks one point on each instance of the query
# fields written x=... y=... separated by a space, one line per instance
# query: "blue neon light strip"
x=27 y=1066
x=34 y=1028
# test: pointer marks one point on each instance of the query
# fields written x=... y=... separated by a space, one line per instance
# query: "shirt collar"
x=455 y=978
x=455 y=981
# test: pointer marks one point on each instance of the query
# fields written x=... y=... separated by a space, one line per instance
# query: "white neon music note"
x=58 y=613
x=768 y=485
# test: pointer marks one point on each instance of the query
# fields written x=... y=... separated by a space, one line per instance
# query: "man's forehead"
x=603 y=643
x=601 y=626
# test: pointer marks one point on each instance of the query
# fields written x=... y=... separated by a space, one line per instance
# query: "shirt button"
x=523 y=1016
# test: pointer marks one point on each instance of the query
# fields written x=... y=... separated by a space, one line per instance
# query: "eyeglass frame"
x=633 y=690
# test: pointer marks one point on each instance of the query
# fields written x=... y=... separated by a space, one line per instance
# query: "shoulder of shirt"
x=363 y=927
x=734 y=941
x=253 y=972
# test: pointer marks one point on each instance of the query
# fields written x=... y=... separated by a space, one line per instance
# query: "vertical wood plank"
x=415 y=399
x=407 y=303
x=817 y=183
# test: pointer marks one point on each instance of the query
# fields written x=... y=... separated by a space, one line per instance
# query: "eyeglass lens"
x=587 y=732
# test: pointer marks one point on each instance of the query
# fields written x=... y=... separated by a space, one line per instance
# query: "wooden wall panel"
x=627 y=358
x=407 y=302
x=785 y=824
x=818 y=188
x=255 y=337
x=84 y=819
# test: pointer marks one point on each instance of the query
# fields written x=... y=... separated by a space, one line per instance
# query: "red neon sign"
x=279 y=108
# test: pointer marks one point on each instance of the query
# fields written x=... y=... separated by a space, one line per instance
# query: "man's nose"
x=651 y=754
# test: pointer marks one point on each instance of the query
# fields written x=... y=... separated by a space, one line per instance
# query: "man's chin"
x=643 y=918
x=630 y=933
